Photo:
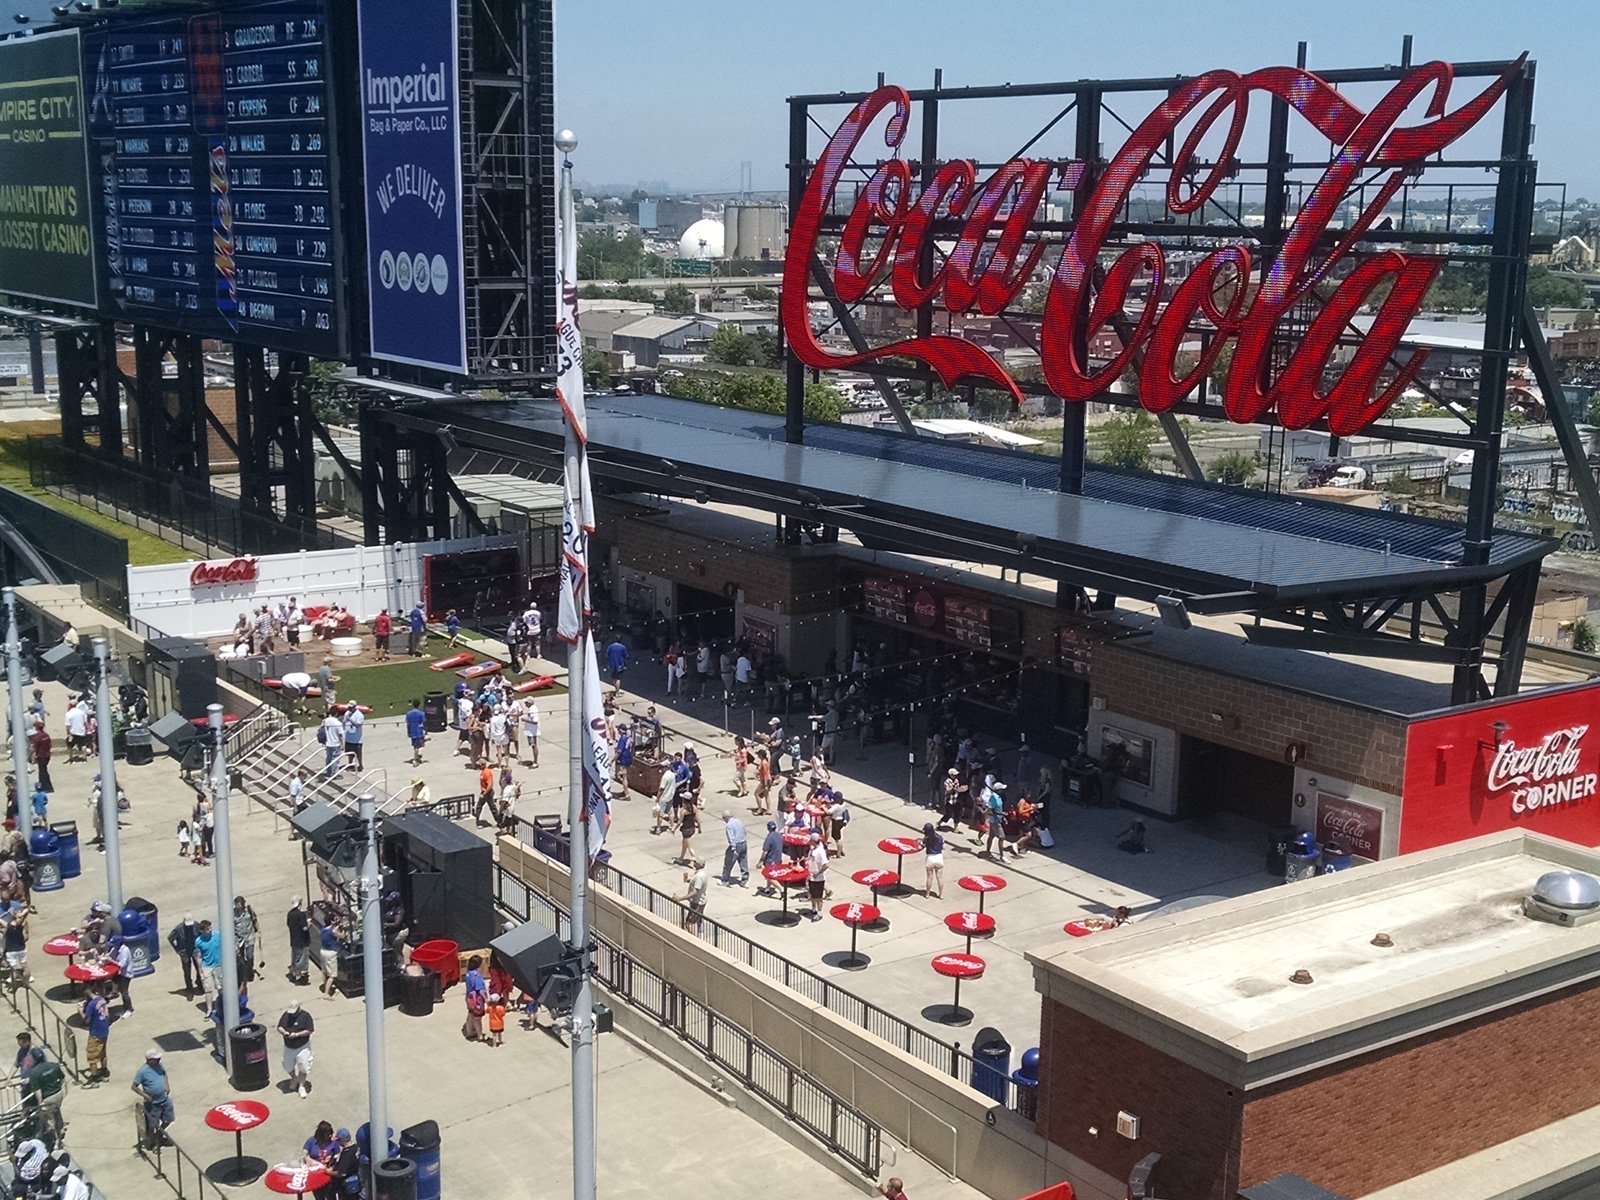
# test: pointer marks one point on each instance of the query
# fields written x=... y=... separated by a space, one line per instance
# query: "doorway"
x=703 y=616
x=1220 y=779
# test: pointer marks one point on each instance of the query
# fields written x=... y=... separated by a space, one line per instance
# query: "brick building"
x=1468 y=1026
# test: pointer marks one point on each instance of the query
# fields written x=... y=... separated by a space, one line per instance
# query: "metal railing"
x=946 y=1057
x=186 y=1178
x=838 y=1125
x=260 y=726
x=47 y=1025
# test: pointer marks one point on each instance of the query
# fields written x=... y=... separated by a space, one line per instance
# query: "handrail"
x=48 y=1026
x=203 y=1188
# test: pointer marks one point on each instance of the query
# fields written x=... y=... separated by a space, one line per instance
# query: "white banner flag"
x=577 y=514
x=598 y=755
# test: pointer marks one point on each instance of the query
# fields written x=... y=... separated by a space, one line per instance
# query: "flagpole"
x=583 y=1081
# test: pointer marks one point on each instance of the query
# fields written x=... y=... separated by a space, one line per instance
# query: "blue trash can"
x=152 y=923
x=1304 y=842
x=44 y=854
x=420 y=1144
x=363 y=1139
x=991 y=1066
x=1335 y=858
x=136 y=936
x=67 y=843
x=1026 y=1077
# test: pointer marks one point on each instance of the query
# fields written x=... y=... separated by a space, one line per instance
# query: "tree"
x=1583 y=637
x=761 y=294
x=1237 y=467
x=1124 y=440
x=823 y=402
x=322 y=386
x=769 y=351
x=731 y=346
x=596 y=373
x=1592 y=417
x=679 y=299
x=1550 y=289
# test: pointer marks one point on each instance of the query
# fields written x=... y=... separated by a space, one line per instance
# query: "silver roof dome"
x=1568 y=889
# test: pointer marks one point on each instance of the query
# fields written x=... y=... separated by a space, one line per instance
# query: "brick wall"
x=1352 y=1128
x=1353 y=744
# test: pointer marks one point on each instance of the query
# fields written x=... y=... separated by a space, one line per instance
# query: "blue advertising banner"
x=411 y=133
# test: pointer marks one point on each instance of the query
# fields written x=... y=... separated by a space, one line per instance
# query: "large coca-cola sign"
x=995 y=257
x=238 y=570
x=1356 y=827
x=1550 y=771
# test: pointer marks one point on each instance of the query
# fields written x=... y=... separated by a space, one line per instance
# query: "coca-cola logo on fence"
x=238 y=570
x=1356 y=827
x=892 y=220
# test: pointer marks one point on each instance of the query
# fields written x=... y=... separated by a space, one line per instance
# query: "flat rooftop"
x=1212 y=985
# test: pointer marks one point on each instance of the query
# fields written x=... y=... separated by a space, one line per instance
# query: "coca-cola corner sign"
x=1529 y=763
x=994 y=257
x=1356 y=827
x=214 y=574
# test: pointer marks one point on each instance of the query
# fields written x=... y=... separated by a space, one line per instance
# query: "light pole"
x=19 y=734
x=110 y=836
x=223 y=861
x=372 y=981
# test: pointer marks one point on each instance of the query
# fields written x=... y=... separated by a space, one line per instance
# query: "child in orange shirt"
x=496 y=1012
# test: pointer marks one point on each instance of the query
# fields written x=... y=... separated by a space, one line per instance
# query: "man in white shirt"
x=331 y=735
x=535 y=627
x=817 y=874
x=741 y=677
x=78 y=731
x=530 y=730
x=297 y=791
x=499 y=736
x=30 y=1158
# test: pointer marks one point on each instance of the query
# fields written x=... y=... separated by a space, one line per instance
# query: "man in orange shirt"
x=485 y=795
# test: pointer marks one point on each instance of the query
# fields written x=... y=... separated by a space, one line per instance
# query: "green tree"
x=678 y=299
x=1124 y=440
x=596 y=373
x=761 y=294
x=1592 y=417
x=322 y=385
x=1236 y=467
x=823 y=402
x=769 y=351
x=731 y=346
x=1583 y=638
x=1554 y=289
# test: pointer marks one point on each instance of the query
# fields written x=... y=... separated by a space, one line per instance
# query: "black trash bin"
x=1278 y=843
x=251 y=1071
x=416 y=991
x=140 y=751
x=991 y=1067
x=420 y=1144
x=394 y=1179
x=434 y=712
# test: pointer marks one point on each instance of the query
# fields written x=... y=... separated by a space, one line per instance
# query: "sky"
x=686 y=91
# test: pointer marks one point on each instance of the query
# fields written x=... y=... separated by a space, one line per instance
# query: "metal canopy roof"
x=1225 y=549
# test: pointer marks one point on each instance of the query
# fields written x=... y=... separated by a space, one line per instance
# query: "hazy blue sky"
x=684 y=91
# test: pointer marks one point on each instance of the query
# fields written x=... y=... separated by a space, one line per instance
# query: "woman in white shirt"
x=530 y=729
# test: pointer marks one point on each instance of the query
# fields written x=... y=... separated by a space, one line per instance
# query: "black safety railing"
x=838 y=1125
x=47 y=1026
x=947 y=1057
x=173 y=1165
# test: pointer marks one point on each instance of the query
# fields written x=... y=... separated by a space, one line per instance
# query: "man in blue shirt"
x=97 y=1016
x=416 y=730
x=150 y=1085
x=419 y=629
x=624 y=750
x=616 y=661
x=771 y=856
x=354 y=731
x=329 y=958
x=208 y=949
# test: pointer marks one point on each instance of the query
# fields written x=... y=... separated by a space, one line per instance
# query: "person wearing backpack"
x=477 y=1000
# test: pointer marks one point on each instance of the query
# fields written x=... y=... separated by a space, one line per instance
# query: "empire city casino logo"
x=222 y=236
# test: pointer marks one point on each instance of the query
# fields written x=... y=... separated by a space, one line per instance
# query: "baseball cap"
x=343 y=1135
x=688 y=746
x=774 y=721
x=152 y=1053
x=953 y=772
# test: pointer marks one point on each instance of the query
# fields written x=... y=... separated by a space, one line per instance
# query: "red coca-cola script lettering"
x=238 y=570
x=884 y=236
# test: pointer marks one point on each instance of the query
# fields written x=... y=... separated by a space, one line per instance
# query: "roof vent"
x=1382 y=939
x=1564 y=898
x=1300 y=976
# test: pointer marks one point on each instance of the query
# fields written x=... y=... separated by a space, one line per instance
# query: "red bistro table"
x=855 y=916
x=99 y=972
x=983 y=885
x=786 y=876
x=958 y=967
x=970 y=925
x=235 y=1116
x=900 y=847
x=293 y=1179
x=65 y=946
x=796 y=841
x=876 y=878
x=1084 y=926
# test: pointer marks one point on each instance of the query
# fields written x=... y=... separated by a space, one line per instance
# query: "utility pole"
x=19 y=732
x=372 y=982
x=110 y=835
x=224 y=868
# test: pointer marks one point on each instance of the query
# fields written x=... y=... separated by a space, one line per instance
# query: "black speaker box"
x=530 y=953
x=59 y=662
x=174 y=730
x=330 y=833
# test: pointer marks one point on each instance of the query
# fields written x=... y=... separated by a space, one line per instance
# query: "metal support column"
x=371 y=892
x=19 y=727
x=222 y=863
x=109 y=388
x=110 y=835
x=36 y=359
x=1524 y=583
x=794 y=409
x=1086 y=143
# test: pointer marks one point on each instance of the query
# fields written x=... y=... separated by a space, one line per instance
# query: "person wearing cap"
x=29 y=1159
x=950 y=809
x=122 y=959
x=151 y=1085
x=816 y=874
x=416 y=730
x=208 y=949
x=39 y=746
x=69 y=1184
x=421 y=793
x=993 y=814
x=771 y=856
x=345 y=1166
x=774 y=742
x=624 y=755
x=298 y=921
x=296 y=1027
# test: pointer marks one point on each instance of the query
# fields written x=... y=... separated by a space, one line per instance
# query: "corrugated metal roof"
x=651 y=328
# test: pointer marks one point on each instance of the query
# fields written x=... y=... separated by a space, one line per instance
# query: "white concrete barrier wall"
x=365 y=579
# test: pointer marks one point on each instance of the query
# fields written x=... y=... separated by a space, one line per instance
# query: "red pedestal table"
x=98 y=972
x=900 y=847
x=1084 y=926
x=235 y=1116
x=796 y=841
x=294 y=1179
x=876 y=878
x=970 y=925
x=786 y=876
x=65 y=946
x=855 y=916
x=958 y=967
x=983 y=885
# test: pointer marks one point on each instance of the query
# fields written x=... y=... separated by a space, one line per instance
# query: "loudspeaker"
x=1139 y=1178
x=1173 y=612
x=423 y=893
x=328 y=831
x=530 y=953
x=173 y=730
x=58 y=662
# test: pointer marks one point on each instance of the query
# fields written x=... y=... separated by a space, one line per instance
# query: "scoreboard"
x=212 y=169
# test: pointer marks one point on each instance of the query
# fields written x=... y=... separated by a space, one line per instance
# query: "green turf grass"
x=389 y=688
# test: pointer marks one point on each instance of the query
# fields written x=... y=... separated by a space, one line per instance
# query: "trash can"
x=991 y=1066
x=1335 y=858
x=44 y=855
x=136 y=936
x=394 y=1179
x=1026 y=1077
x=67 y=842
x=251 y=1071
x=433 y=712
x=363 y=1142
x=1303 y=842
x=1300 y=866
x=441 y=956
x=152 y=918
x=416 y=991
x=420 y=1144
x=1278 y=843
x=140 y=750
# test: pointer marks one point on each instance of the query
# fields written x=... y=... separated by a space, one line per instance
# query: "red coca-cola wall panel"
x=1530 y=763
